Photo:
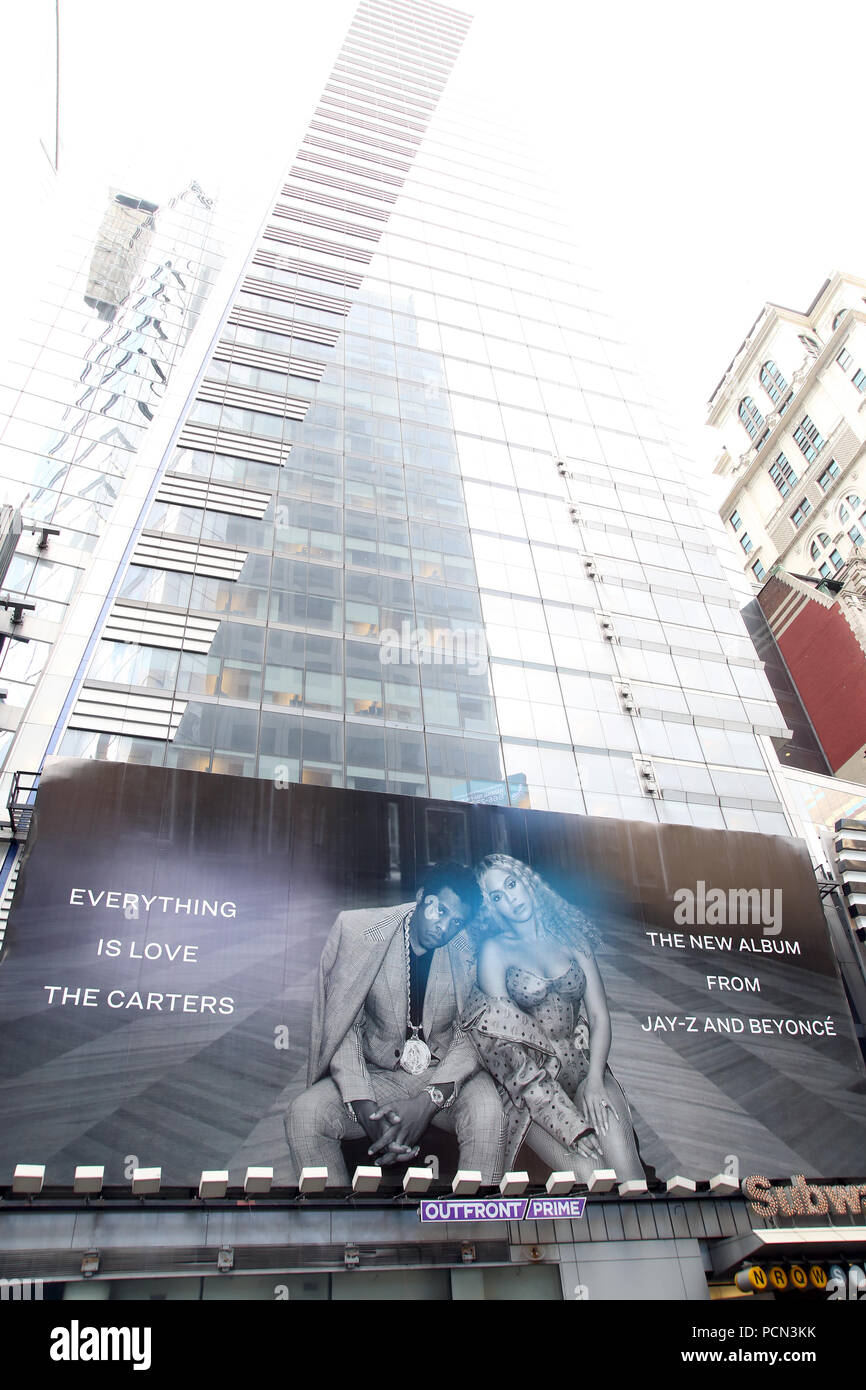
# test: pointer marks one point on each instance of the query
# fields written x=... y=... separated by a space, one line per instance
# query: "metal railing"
x=22 y=802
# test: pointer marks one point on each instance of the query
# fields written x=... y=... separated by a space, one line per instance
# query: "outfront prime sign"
x=501 y=1208
x=212 y=972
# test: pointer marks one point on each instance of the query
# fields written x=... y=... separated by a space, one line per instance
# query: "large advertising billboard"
x=210 y=972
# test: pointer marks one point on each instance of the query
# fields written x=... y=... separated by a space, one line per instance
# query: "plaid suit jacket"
x=360 y=1011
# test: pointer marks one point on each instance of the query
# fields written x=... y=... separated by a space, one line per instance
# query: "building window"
x=808 y=439
x=809 y=344
x=799 y=516
x=746 y=542
x=773 y=382
x=852 y=501
x=752 y=421
x=758 y=571
x=783 y=475
x=736 y=520
x=838 y=319
x=825 y=555
x=844 y=359
x=859 y=379
x=830 y=474
x=856 y=535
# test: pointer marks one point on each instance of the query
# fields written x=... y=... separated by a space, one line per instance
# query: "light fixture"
x=417 y=1180
x=514 y=1184
x=466 y=1182
x=633 y=1187
x=88 y=1179
x=313 y=1180
x=680 y=1187
x=44 y=533
x=258 y=1180
x=213 y=1183
x=723 y=1185
x=28 y=1177
x=146 y=1181
x=559 y=1184
x=366 y=1179
x=602 y=1179
x=19 y=608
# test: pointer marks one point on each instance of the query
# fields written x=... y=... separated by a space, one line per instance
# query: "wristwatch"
x=438 y=1097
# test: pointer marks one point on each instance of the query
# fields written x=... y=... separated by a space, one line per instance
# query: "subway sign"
x=800 y=1198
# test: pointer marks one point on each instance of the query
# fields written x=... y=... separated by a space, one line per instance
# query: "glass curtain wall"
x=110 y=320
x=422 y=531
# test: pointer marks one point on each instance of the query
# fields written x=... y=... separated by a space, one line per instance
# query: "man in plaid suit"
x=382 y=971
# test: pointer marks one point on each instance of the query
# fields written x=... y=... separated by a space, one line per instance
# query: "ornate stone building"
x=790 y=413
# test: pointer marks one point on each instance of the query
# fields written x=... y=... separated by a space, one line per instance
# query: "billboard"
x=207 y=972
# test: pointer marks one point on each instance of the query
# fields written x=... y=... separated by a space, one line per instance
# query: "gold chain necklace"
x=416 y=1055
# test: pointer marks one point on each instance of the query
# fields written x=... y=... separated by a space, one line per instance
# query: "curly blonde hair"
x=553 y=914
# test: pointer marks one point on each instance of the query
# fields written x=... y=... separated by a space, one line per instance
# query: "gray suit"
x=358 y=1032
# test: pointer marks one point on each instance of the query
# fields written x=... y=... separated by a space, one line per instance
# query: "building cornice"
x=850 y=598
x=747 y=352
x=801 y=586
x=769 y=315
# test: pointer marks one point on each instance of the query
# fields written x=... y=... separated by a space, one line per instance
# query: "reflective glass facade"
x=420 y=530
x=86 y=380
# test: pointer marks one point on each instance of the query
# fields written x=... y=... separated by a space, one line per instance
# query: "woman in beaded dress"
x=539 y=1019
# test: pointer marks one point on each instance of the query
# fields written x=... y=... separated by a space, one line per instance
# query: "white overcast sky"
x=712 y=156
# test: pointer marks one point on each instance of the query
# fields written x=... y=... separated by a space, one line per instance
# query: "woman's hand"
x=596 y=1107
x=588 y=1146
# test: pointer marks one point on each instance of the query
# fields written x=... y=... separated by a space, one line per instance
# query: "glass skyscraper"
x=418 y=529
x=85 y=381
x=405 y=521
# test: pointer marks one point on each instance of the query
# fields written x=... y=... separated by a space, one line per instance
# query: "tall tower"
x=418 y=529
x=83 y=385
